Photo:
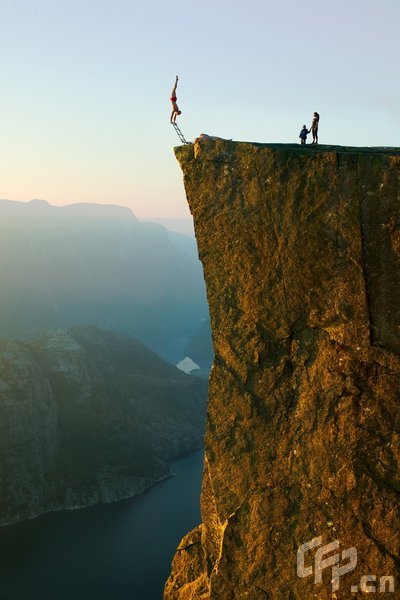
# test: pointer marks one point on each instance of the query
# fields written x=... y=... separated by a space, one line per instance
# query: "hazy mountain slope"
x=86 y=416
x=95 y=264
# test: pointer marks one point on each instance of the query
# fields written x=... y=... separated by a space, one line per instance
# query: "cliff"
x=301 y=254
x=89 y=416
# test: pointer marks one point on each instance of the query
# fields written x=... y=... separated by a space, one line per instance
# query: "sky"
x=85 y=88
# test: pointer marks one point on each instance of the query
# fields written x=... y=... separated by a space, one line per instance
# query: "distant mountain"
x=97 y=264
x=87 y=415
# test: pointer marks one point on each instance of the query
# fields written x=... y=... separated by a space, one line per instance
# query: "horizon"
x=183 y=225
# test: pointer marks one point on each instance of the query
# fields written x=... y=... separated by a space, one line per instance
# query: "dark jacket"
x=303 y=133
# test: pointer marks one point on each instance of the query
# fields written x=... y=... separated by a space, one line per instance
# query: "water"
x=119 y=551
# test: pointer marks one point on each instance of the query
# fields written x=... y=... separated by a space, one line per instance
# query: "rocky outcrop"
x=86 y=416
x=301 y=254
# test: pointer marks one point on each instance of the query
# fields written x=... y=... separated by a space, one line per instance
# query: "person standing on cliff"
x=303 y=135
x=175 y=109
x=314 y=128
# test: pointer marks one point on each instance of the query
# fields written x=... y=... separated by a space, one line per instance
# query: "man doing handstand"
x=175 y=109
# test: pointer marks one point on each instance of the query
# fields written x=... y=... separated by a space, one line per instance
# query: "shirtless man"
x=175 y=109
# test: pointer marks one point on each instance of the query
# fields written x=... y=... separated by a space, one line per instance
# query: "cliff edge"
x=301 y=254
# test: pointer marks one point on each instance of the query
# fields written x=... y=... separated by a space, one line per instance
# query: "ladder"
x=179 y=133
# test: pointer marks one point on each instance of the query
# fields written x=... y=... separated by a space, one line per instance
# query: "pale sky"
x=85 y=87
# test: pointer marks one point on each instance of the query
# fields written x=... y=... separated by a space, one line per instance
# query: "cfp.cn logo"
x=328 y=556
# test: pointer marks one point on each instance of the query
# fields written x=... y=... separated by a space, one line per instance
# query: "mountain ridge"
x=95 y=264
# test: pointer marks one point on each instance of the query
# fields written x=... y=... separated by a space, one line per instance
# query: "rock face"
x=301 y=255
x=88 y=416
